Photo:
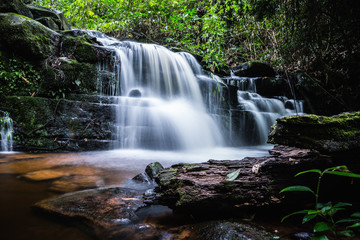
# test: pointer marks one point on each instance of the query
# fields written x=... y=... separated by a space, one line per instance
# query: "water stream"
x=6 y=132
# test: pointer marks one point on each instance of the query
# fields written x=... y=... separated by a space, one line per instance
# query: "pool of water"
x=22 y=183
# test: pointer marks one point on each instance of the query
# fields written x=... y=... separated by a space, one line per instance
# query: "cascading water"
x=257 y=113
x=6 y=132
x=159 y=102
x=164 y=100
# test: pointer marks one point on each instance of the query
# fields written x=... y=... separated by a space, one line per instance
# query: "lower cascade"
x=164 y=100
x=6 y=132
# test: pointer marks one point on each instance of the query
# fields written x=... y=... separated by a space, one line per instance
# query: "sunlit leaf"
x=309 y=171
x=345 y=174
x=354 y=225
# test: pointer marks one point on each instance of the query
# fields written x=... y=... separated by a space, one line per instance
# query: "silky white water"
x=6 y=132
x=166 y=101
x=159 y=102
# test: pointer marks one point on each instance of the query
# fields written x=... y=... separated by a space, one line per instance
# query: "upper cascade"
x=160 y=105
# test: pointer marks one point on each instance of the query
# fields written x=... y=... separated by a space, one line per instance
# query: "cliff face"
x=48 y=76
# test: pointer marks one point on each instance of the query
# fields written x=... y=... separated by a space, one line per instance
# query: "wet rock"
x=60 y=172
x=27 y=37
x=59 y=125
x=153 y=169
x=229 y=230
x=204 y=186
x=107 y=210
x=254 y=69
x=151 y=172
x=339 y=133
x=51 y=15
x=76 y=183
x=15 y=6
x=135 y=93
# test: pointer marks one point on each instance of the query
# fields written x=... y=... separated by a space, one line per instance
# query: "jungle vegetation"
x=319 y=38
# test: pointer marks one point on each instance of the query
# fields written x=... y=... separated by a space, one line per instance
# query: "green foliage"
x=18 y=77
x=319 y=37
x=325 y=212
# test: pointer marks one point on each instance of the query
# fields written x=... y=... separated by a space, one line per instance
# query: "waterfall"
x=6 y=132
x=258 y=113
x=159 y=103
x=165 y=100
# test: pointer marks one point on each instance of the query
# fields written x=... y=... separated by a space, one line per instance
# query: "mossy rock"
x=15 y=6
x=79 y=48
x=42 y=124
x=26 y=37
x=67 y=76
x=327 y=134
x=55 y=16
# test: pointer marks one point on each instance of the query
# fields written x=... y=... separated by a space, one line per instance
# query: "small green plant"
x=18 y=77
x=324 y=212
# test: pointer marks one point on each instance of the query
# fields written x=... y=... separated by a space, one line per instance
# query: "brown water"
x=28 y=178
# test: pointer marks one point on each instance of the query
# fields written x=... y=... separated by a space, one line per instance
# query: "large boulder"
x=332 y=134
x=43 y=124
x=49 y=17
x=15 y=6
x=196 y=188
x=27 y=37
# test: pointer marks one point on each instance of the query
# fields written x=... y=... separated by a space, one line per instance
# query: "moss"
x=335 y=133
x=26 y=37
x=79 y=48
x=167 y=176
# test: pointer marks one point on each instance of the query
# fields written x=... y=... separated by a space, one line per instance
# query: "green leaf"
x=232 y=176
x=347 y=220
x=354 y=225
x=309 y=171
x=295 y=213
x=322 y=226
x=347 y=233
x=297 y=189
x=345 y=174
x=309 y=217
x=322 y=237
x=342 y=204
x=356 y=214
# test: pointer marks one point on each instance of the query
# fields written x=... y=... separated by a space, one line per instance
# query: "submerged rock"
x=106 y=210
x=333 y=134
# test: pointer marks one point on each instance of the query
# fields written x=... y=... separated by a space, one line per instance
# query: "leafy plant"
x=325 y=212
x=18 y=77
